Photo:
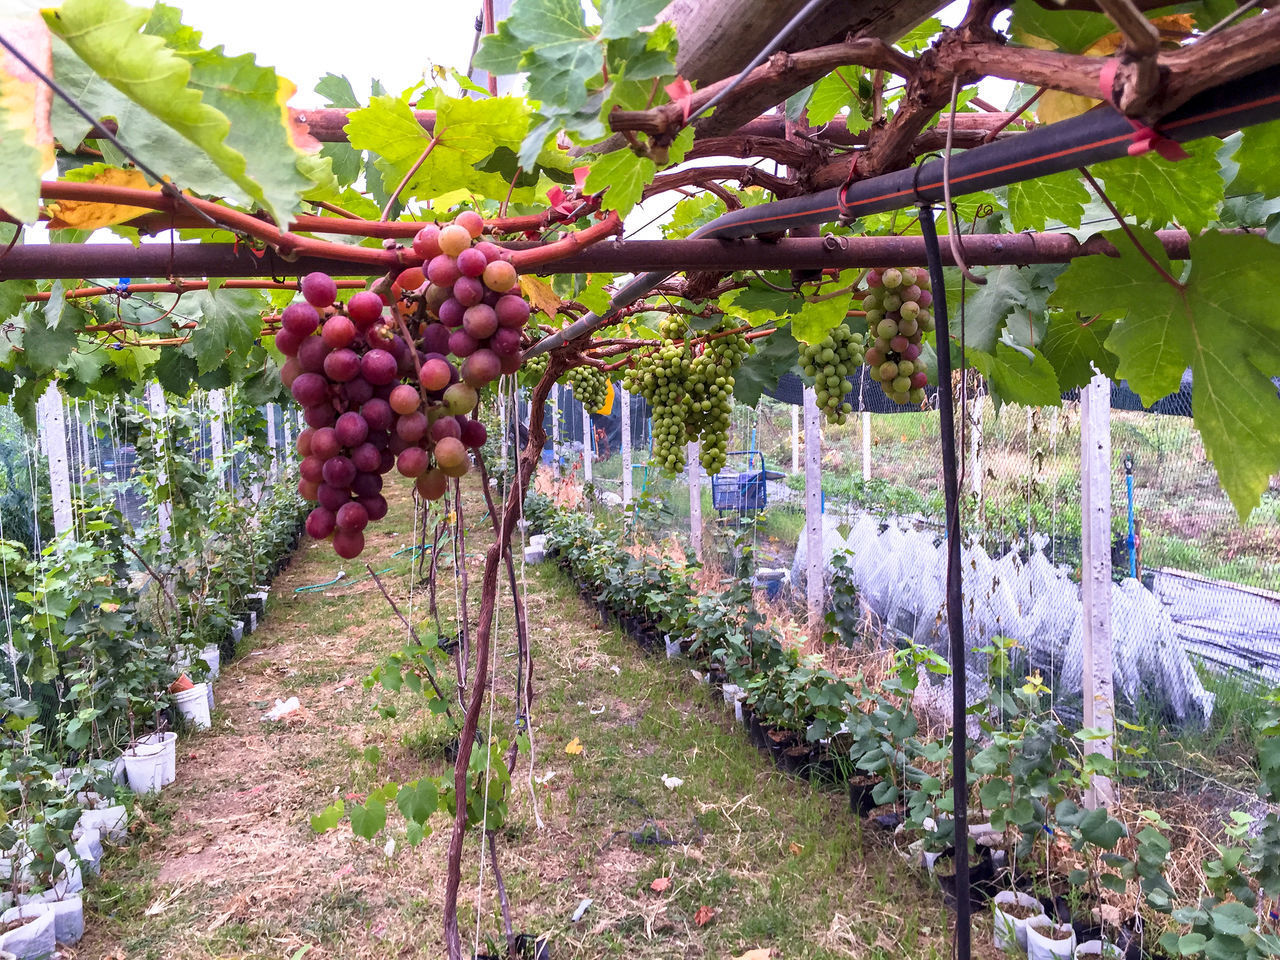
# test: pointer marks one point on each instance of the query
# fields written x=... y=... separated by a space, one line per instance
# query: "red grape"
x=436 y=373
x=352 y=516
x=511 y=363
x=480 y=321
x=443 y=270
x=310 y=389
x=426 y=242
x=311 y=354
x=474 y=434
x=379 y=367
x=364 y=309
x=435 y=338
x=481 y=368
x=375 y=506
x=303 y=443
x=500 y=276
x=338 y=331
x=433 y=484
x=321 y=415
x=324 y=443
x=300 y=318
x=310 y=469
x=366 y=458
x=320 y=523
x=445 y=427
x=342 y=365
x=348 y=544
x=454 y=239
x=339 y=472
x=368 y=483
x=462 y=344
x=413 y=462
x=404 y=399
x=377 y=414
x=287 y=341
x=319 y=289
x=451 y=455
x=460 y=398
x=512 y=311
x=412 y=428
x=505 y=341
x=468 y=291
x=289 y=372
x=451 y=312
x=351 y=429
x=308 y=490
x=491 y=251
x=332 y=498
x=357 y=391
x=471 y=222
x=472 y=263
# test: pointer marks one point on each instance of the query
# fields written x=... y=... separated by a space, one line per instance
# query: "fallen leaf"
x=759 y=953
x=703 y=916
x=795 y=848
x=574 y=746
x=660 y=884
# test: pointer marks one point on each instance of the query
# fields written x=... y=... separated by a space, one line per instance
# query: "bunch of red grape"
x=373 y=401
x=897 y=304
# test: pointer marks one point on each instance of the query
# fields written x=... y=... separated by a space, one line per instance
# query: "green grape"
x=590 y=386
x=828 y=363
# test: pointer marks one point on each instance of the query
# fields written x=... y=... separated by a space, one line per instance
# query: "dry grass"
x=230 y=868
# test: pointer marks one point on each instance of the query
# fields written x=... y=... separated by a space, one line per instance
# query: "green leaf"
x=418 y=800
x=1158 y=192
x=1190 y=944
x=1098 y=828
x=834 y=92
x=1072 y=31
x=106 y=35
x=1233 y=919
x=175 y=370
x=254 y=101
x=1058 y=197
x=1256 y=157
x=22 y=157
x=45 y=349
x=1015 y=378
x=337 y=92
x=328 y=818
x=621 y=18
x=987 y=307
x=624 y=175
x=1217 y=325
x=1074 y=345
x=818 y=318
x=368 y=819
x=560 y=52
x=230 y=322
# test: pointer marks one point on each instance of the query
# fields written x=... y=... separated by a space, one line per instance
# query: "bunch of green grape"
x=711 y=385
x=897 y=304
x=827 y=365
x=661 y=378
x=590 y=387
x=532 y=369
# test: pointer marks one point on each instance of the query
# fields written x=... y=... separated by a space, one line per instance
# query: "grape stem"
x=525 y=260
x=404 y=181
x=1128 y=232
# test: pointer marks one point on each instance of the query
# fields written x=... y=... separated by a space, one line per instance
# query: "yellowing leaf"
x=759 y=953
x=87 y=215
x=574 y=746
x=1058 y=105
x=795 y=848
x=703 y=915
x=539 y=294
x=26 y=138
x=660 y=884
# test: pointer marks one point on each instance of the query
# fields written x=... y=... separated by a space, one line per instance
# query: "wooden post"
x=695 y=497
x=159 y=408
x=587 y=458
x=53 y=438
x=625 y=400
x=1095 y=572
x=555 y=426
x=271 y=441
x=814 y=579
x=217 y=409
x=866 y=446
x=795 y=439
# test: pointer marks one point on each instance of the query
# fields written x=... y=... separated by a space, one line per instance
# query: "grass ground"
x=225 y=864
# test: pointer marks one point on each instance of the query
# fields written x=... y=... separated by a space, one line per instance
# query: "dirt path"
x=231 y=869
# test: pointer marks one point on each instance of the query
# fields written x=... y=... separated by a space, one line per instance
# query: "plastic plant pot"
x=1047 y=940
x=1011 y=927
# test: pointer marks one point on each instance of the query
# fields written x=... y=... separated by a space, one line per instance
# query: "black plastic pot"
x=860 y=795
x=756 y=731
x=982 y=877
x=448 y=645
x=798 y=761
x=530 y=947
x=777 y=742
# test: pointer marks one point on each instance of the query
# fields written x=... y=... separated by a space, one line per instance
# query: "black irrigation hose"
x=1101 y=134
x=955 y=596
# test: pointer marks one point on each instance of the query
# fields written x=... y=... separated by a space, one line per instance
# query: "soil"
x=15 y=924
x=1054 y=933
x=1019 y=911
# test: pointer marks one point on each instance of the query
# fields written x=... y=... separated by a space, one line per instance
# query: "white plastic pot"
x=1011 y=931
x=144 y=765
x=731 y=692
x=193 y=704
x=89 y=847
x=168 y=744
x=31 y=941
x=110 y=822
x=237 y=632
x=209 y=691
x=673 y=647
x=1104 y=949
x=67 y=912
x=1041 y=947
x=212 y=655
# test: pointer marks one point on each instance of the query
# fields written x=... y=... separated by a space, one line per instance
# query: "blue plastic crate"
x=744 y=491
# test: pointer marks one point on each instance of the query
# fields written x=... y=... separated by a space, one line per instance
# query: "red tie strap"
x=1145 y=138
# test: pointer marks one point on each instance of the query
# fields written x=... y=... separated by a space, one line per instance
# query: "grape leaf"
x=1072 y=31
x=625 y=175
x=1074 y=345
x=1014 y=378
x=1057 y=197
x=230 y=321
x=106 y=35
x=1159 y=193
x=818 y=318
x=834 y=92
x=1256 y=157
x=45 y=348
x=551 y=42
x=175 y=370
x=26 y=140
x=622 y=18
x=255 y=102
x=1216 y=324
x=987 y=307
x=337 y=92
x=328 y=818
x=774 y=355
x=13 y=295
x=368 y=819
x=418 y=800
